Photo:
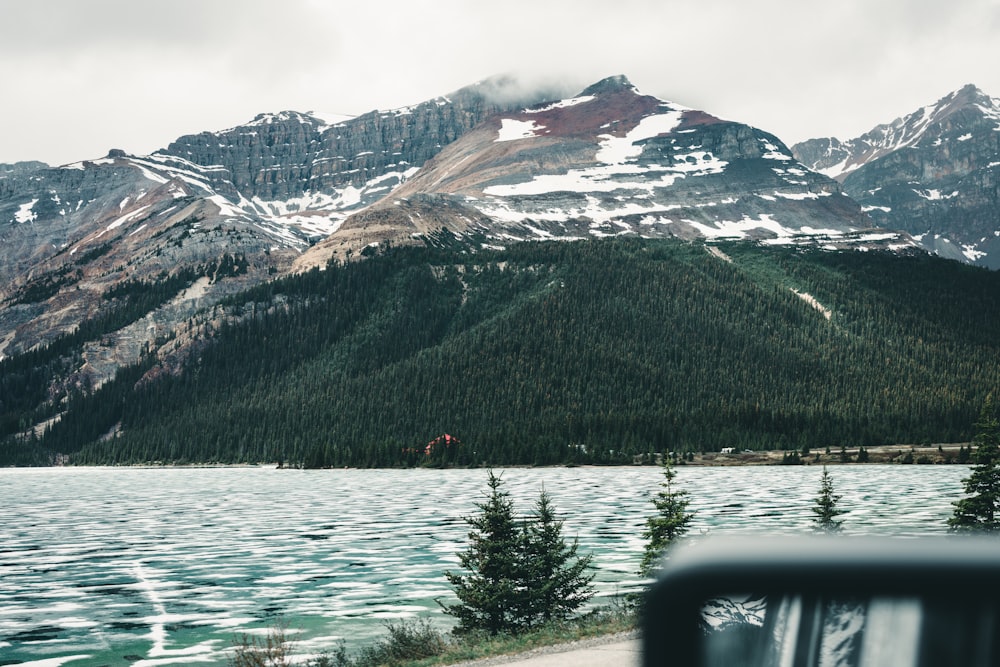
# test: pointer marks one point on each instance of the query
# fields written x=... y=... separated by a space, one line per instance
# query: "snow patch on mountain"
x=563 y=104
x=164 y=168
x=972 y=253
x=328 y=120
x=772 y=152
x=801 y=196
x=597 y=211
x=618 y=170
x=512 y=130
x=742 y=228
x=934 y=195
x=227 y=208
x=26 y=213
x=617 y=151
x=128 y=217
x=280 y=117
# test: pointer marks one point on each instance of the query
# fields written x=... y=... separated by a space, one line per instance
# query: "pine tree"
x=519 y=574
x=979 y=511
x=670 y=523
x=557 y=582
x=825 y=507
x=490 y=597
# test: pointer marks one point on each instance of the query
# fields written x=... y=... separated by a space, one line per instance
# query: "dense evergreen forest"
x=544 y=353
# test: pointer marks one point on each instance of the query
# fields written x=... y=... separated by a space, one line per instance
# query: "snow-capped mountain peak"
x=838 y=159
x=606 y=161
x=932 y=173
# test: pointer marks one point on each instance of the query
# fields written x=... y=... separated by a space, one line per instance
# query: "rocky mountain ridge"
x=934 y=173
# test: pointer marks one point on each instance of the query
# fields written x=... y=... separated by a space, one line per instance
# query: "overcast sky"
x=82 y=76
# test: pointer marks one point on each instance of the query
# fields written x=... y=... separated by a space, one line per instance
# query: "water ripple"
x=164 y=566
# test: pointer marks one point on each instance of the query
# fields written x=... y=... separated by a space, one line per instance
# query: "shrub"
x=407 y=641
x=272 y=650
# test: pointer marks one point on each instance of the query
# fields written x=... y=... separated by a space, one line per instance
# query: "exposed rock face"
x=608 y=161
x=292 y=161
x=934 y=174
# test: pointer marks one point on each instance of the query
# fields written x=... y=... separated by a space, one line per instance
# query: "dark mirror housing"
x=826 y=601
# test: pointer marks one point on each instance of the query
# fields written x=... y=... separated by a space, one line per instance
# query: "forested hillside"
x=589 y=352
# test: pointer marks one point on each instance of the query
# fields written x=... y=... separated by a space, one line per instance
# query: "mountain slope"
x=74 y=233
x=934 y=173
x=254 y=196
x=548 y=353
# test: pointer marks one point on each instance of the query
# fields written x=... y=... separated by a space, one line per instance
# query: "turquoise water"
x=164 y=566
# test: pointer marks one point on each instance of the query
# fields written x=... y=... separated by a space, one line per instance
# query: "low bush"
x=272 y=650
x=406 y=642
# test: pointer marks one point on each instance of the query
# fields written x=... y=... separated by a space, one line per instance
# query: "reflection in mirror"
x=811 y=631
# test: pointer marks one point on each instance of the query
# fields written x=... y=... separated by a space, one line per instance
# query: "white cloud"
x=83 y=77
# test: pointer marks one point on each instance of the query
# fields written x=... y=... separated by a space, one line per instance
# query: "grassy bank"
x=417 y=643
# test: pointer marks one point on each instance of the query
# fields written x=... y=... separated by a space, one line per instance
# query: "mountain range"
x=126 y=256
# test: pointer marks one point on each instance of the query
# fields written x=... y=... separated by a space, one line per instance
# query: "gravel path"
x=580 y=646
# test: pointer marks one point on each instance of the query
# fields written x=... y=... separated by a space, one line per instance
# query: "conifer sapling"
x=825 y=507
x=669 y=524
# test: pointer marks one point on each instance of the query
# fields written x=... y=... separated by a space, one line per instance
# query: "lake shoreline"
x=935 y=454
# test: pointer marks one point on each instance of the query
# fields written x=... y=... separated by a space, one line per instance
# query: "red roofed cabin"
x=445 y=441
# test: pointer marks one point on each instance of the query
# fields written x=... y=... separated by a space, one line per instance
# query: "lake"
x=163 y=566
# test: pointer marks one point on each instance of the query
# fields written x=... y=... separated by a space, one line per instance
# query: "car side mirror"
x=833 y=601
